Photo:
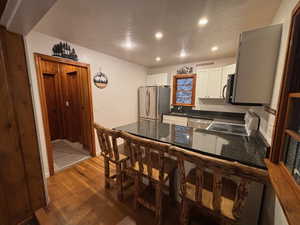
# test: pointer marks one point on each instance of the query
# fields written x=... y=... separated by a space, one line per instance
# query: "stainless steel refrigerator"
x=153 y=102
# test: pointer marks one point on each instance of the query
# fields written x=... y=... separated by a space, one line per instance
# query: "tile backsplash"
x=267 y=123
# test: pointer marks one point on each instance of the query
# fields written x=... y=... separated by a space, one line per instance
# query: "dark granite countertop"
x=209 y=115
x=249 y=151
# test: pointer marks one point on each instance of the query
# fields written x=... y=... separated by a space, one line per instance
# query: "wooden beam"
x=21 y=181
x=285 y=191
x=61 y=60
x=294 y=95
x=293 y=134
x=12 y=175
x=21 y=96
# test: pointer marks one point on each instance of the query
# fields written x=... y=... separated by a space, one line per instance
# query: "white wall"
x=273 y=214
x=113 y=106
x=201 y=104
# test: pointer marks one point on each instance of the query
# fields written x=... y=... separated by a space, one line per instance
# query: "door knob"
x=67 y=103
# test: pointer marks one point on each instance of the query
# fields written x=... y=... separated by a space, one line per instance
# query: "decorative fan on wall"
x=100 y=80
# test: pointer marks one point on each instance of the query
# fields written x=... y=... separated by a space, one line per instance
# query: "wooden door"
x=71 y=95
x=86 y=108
x=21 y=180
x=51 y=82
x=75 y=101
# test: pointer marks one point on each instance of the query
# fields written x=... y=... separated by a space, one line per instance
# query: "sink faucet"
x=179 y=108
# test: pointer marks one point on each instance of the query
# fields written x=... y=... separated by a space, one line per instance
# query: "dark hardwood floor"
x=78 y=197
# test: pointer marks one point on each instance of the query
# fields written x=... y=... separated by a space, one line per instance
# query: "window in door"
x=184 y=86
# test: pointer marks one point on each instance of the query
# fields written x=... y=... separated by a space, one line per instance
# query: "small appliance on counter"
x=153 y=101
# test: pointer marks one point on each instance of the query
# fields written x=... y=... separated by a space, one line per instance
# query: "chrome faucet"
x=179 y=108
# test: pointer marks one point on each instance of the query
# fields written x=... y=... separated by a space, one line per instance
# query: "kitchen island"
x=247 y=150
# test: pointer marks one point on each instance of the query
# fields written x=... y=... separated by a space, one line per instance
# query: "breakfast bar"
x=249 y=151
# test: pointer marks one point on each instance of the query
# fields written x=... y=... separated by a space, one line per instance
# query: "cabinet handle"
x=224 y=88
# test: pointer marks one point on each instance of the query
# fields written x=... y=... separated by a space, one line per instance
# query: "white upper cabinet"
x=201 y=84
x=209 y=83
x=160 y=79
x=214 y=83
x=227 y=70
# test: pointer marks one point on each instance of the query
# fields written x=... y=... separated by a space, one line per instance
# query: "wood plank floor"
x=78 y=197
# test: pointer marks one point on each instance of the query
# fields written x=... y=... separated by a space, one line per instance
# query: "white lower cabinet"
x=220 y=142
x=204 y=142
x=177 y=120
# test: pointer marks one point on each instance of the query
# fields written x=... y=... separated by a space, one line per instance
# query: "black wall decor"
x=64 y=50
x=185 y=70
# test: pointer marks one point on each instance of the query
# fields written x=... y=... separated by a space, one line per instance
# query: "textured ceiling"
x=104 y=25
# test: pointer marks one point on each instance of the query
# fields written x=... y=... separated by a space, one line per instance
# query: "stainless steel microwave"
x=228 y=89
x=229 y=92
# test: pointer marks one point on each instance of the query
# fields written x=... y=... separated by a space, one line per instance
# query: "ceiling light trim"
x=159 y=35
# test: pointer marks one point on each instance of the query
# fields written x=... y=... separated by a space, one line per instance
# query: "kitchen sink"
x=198 y=123
x=229 y=128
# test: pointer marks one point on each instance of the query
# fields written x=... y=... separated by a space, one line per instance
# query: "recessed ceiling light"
x=128 y=44
x=157 y=59
x=203 y=21
x=158 y=35
x=214 y=48
x=182 y=54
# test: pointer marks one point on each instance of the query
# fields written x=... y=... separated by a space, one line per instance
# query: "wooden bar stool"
x=218 y=187
x=110 y=151
x=149 y=160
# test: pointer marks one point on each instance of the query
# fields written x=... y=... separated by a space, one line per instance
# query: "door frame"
x=38 y=59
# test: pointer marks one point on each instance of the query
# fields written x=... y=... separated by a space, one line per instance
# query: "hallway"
x=66 y=154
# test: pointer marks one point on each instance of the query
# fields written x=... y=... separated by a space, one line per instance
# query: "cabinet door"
x=182 y=121
x=204 y=142
x=164 y=79
x=227 y=70
x=53 y=102
x=214 y=82
x=71 y=100
x=151 y=80
x=86 y=108
x=157 y=79
x=202 y=83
